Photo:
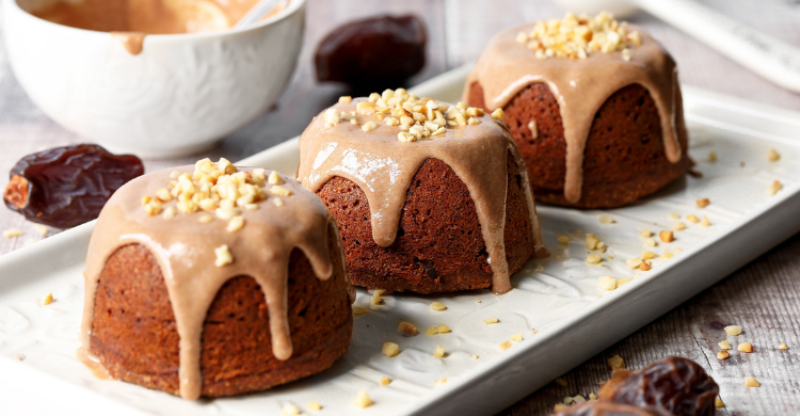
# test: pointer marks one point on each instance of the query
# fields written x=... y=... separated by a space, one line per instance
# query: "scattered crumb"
x=594 y=259
x=616 y=362
x=491 y=320
x=745 y=347
x=505 y=345
x=48 y=299
x=578 y=399
x=517 y=337
x=224 y=256
x=477 y=300
x=678 y=226
x=290 y=410
x=440 y=381
x=702 y=203
x=723 y=355
x=645 y=266
x=725 y=345
x=442 y=329
x=362 y=399
x=634 y=262
x=705 y=222
x=607 y=219
x=712 y=156
x=751 y=382
x=358 y=310
x=592 y=241
x=783 y=346
x=667 y=255
x=390 y=349
x=407 y=329
x=314 y=406
x=20 y=357
x=733 y=330
x=206 y=219
x=41 y=229
x=12 y=232
x=439 y=352
x=377 y=297
x=718 y=403
x=775 y=187
x=666 y=236
x=561 y=382
x=647 y=255
x=692 y=218
x=438 y=306
x=385 y=381
x=674 y=216
x=646 y=233
x=592 y=396
x=607 y=283
x=563 y=239
x=474 y=356
x=650 y=242
x=623 y=280
x=773 y=155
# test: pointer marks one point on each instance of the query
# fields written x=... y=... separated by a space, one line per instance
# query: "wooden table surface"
x=764 y=297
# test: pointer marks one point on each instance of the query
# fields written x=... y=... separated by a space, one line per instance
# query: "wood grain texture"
x=764 y=297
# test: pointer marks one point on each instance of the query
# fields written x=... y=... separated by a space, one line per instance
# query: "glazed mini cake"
x=428 y=197
x=594 y=106
x=214 y=281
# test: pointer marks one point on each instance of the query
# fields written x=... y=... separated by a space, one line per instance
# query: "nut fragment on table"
x=290 y=410
x=362 y=399
x=751 y=382
x=384 y=381
x=733 y=330
x=48 y=299
x=783 y=346
x=439 y=352
x=745 y=347
x=390 y=349
x=702 y=203
x=438 y=306
x=314 y=406
x=773 y=155
x=725 y=345
x=666 y=236
x=407 y=329
x=775 y=187
x=607 y=283
x=723 y=355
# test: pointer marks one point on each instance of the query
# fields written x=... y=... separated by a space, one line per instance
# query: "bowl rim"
x=294 y=6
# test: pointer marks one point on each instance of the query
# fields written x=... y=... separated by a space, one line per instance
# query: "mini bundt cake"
x=428 y=197
x=594 y=106
x=215 y=281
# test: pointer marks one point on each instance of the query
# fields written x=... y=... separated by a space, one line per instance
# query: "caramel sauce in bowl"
x=157 y=78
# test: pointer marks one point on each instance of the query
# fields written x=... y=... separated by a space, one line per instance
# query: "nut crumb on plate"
x=745 y=347
x=358 y=310
x=314 y=406
x=390 y=349
x=607 y=283
x=384 y=381
x=362 y=399
x=775 y=187
x=505 y=345
x=439 y=352
x=666 y=236
x=492 y=320
x=290 y=410
x=48 y=299
x=407 y=329
x=718 y=403
x=773 y=155
x=438 y=306
x=702 y=203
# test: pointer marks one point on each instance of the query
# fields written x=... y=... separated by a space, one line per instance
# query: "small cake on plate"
x=429 y=197
x=214 y=281
x=594 y=106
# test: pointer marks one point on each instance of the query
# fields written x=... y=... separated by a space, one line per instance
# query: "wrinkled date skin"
x=379 y=52
x=675 y=384
x=592 y=408
x=67 y=186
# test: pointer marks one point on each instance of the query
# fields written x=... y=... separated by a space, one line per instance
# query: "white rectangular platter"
x=557 y=306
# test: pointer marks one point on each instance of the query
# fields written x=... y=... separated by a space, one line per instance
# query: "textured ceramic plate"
x=558 y=308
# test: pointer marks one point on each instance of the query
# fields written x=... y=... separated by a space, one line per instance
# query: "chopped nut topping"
x=517 y=337
x=594 y=259
x=314 y=406
x=705 y=222
x=390 y=349
x=646 y=233
x=775 y=187
x=442 y=329
x=616 y=362
x=384 y=381
x=290 y=410
x=206 y=218
x=667 y=255
x=783 y=346
x=718 y=403
x=505 y=345
x=439 y=352
x=235 y=224
x=224 y=256
x=277 y=201
x=577 y=36
x=432 y=331
x=607 y=283
x=723 y=355
x=362 y=399
x=345 y=99
x=407 y=329
x=647 y=255
x=645 y=266
x=48 y=298
x=773 y=155
x=592 y=241
x=623 y=280
x=725 y=345
x=692 y=218
x=41 y=229
x=733 y=330
x=498 y=114
x=702 y=203
x=331 y=117
x=751 y=382
x=369 y=126
x=438 y=306
x=745 y=347
x=377 y=298
x=491 y=320
x=169 y=213
x=607 y=219
x=634 y=263
x=650 y=242
x=563 y=239
x=666 y=236
x=279 y=191
x=274 y=178
x=561 y=382
x=674 y=216
x=12 y=232
x=679 y=226
x=358 y=310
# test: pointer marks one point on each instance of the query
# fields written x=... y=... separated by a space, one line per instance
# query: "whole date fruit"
x=675 y=384
x=593 y=408
x=67 y=186
x=379 y=52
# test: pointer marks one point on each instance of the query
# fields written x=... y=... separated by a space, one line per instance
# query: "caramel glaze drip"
x=384 y=167
x=185 y=251
x=581 y=86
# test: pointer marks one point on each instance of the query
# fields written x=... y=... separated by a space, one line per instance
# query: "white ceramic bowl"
x=183 y=93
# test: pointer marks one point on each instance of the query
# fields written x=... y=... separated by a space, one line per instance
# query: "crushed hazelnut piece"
x=563 y=239
x=505 y=345
x=41 y=229
x=561 y=382
x=438 y=306
x=169 y=213
x=679 y=226
x=733 y=330
x=622 y=281
x=650 y=242
x=474 y=356
x=674 y=216
x=725 y=345
x=491 y=320
x=712 y=156
x=517 y=337
x=224 y=256
x=279 y=191
x=745 y=347
x=702 y=203
x=647 y=255
x=594 y=259
x=432 y=331
x=607 y=283
x=362 y=399
x=498 y=114
x=314 y=406
x=775 y=187
x=592 y=396
x=345 y=99
x=718 y=403
x=616 y=362
x=377 y=298
x=277 y=201
x=12 y=232
x=48 y=298
x=666 y=236
x=592 y=241
x=442 y=329
x=331 y=117
x=407 y=329
x=358 y=310
x=390 y=349
x=146 y=199
x=439 y=352
x=634 y=263
x=275 y=178
x=206 y=219
x=384 y=381
x=751 y=382
x=645 y=266
x=646 y=233
x=607 y=219
x=773 y=155
x=705 y=222
x=290 y=410
x=783 y=346
x=723 y=355
x=235 y=224
x=369 y=126
x=692 y=218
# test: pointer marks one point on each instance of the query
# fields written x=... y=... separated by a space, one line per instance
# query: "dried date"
x=675 y=384
x=379 y=52
x=593 y=408
x=67 y=186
